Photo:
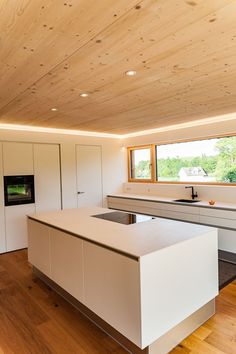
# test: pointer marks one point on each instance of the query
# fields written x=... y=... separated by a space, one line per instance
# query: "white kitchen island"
x=151 y=283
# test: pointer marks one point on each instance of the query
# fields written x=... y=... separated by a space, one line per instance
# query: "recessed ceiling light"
x=54 y=109
x=84 y=94
x=130 y=73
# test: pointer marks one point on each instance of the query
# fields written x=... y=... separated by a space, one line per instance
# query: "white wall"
x=113 y=160
x=206 y=192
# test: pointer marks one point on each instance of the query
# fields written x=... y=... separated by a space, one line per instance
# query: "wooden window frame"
x=153 y=162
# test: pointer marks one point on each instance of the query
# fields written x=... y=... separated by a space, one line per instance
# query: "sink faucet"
x=194 y=195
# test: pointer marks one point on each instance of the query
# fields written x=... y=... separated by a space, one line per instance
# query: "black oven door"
x=19 y=190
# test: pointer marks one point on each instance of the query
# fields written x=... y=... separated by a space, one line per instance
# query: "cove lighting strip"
x=30 y=128
x=195 y=123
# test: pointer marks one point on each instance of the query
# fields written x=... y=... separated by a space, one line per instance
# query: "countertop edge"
x=123 y=253
x=171 y=202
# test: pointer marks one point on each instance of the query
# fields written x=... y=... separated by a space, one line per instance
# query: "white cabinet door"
x=16 y=225
x=227 y=240
x=17 y=158
x=47 y=177
x=67 y=262
x=39 y=246
x=2 y=217
x=89 y=175
x=112 y=291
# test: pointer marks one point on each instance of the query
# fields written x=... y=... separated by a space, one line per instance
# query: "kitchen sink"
x=186 y=200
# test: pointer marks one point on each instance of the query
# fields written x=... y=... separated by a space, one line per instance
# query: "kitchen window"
x=207 y=161
x=141 y=164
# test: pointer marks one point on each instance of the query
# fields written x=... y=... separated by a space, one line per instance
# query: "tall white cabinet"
x=17 y=160
x=42 y=161
x=47 y=177
x=2 y=217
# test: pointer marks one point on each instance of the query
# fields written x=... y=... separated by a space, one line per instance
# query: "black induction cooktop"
x=123 y=218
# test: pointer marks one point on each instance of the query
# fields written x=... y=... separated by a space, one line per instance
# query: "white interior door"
x=89 y=175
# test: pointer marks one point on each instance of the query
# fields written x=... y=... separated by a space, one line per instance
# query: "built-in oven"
x=19 y=189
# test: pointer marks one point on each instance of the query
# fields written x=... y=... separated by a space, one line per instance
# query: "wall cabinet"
x=17 y=159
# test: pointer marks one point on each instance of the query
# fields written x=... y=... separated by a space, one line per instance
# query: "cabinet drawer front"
x=217 y=221
x=136 y=209
x=218 y=213
x=180 y=208
x=134 y=202
x=180 y=216
x=154 y=205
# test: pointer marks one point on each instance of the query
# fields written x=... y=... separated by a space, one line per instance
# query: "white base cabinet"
x=219 y=218
x=227 y=240
x=143 y=298
x=66 y=253
x=177 y=212
x=16 y=226
x=112 y=289
x=39 y=246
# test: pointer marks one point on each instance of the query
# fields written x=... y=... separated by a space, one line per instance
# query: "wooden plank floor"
x=34 y=319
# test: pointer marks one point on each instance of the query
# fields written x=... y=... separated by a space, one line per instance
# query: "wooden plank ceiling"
x=184 y=53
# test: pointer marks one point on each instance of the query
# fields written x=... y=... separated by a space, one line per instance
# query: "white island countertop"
x=135 y=240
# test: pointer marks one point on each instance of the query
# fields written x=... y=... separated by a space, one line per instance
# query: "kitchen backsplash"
x=226 y=194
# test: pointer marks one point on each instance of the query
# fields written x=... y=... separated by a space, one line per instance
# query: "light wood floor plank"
x=35 y=319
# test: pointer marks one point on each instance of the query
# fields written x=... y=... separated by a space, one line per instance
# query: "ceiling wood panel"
x=184 y=53
x=37 y=35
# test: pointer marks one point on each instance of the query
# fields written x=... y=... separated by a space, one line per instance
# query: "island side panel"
x=112 y=289
x=39 y=246
x=176 y=282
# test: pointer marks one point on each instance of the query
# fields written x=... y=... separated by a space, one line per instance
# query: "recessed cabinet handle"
x=80 y=192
